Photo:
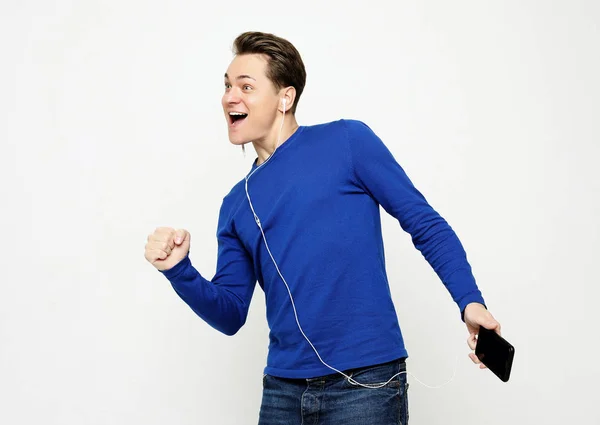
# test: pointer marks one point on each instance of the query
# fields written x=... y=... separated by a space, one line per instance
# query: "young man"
x=305 y=223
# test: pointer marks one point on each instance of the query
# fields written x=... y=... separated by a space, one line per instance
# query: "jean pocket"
x=387 y=375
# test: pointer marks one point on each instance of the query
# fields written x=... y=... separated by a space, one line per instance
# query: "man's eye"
x=247 y=87
x=227 y=85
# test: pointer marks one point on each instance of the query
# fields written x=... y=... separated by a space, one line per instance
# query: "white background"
x=111 y=125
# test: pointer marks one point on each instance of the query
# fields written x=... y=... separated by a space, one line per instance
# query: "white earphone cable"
x=257 y=220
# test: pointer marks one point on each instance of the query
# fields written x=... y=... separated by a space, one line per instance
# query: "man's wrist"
x=467 y=306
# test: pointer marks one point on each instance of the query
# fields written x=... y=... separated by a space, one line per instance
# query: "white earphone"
x=284 y=101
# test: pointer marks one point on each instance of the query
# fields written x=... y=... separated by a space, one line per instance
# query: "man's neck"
x=265 y=148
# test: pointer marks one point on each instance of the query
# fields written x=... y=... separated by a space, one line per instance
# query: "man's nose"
x=232 y=96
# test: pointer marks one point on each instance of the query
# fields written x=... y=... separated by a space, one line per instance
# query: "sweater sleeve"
x=222 y=302
x=378 y=173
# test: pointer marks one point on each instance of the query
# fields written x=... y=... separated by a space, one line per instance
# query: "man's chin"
x=237 y=140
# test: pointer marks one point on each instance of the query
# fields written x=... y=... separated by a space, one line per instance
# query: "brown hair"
x=284 y=65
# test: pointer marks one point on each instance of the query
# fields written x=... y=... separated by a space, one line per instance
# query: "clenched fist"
x=166 y=247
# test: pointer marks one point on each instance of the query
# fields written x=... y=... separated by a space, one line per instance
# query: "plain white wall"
x=111 y=126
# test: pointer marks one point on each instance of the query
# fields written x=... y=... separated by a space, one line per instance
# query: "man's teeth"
x=237 y=116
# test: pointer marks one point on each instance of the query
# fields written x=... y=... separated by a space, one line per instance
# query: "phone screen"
x=495 y=352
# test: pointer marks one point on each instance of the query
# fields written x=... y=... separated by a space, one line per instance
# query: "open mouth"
x=235 y=118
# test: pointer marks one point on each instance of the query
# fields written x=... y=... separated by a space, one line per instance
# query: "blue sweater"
x=318 y=201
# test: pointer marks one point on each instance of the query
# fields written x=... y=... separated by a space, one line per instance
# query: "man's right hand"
x=166 y=247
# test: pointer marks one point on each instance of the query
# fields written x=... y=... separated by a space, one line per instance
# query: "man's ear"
x=289 y=95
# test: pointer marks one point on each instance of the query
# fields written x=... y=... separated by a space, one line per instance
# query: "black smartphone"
x=495 y=352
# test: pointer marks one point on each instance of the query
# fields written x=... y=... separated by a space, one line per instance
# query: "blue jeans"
x=334 y=400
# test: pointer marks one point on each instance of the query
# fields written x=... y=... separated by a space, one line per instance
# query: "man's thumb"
x=180 y=236
x=492 y=324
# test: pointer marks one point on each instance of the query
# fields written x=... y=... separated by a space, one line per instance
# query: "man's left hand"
x=477 y=315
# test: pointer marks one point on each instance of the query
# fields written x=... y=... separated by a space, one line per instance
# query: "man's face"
x=250 y=100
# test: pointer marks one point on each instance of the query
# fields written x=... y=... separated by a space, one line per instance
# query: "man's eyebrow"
x=240 y=77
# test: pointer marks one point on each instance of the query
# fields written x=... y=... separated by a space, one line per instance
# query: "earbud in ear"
x=283 y=101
